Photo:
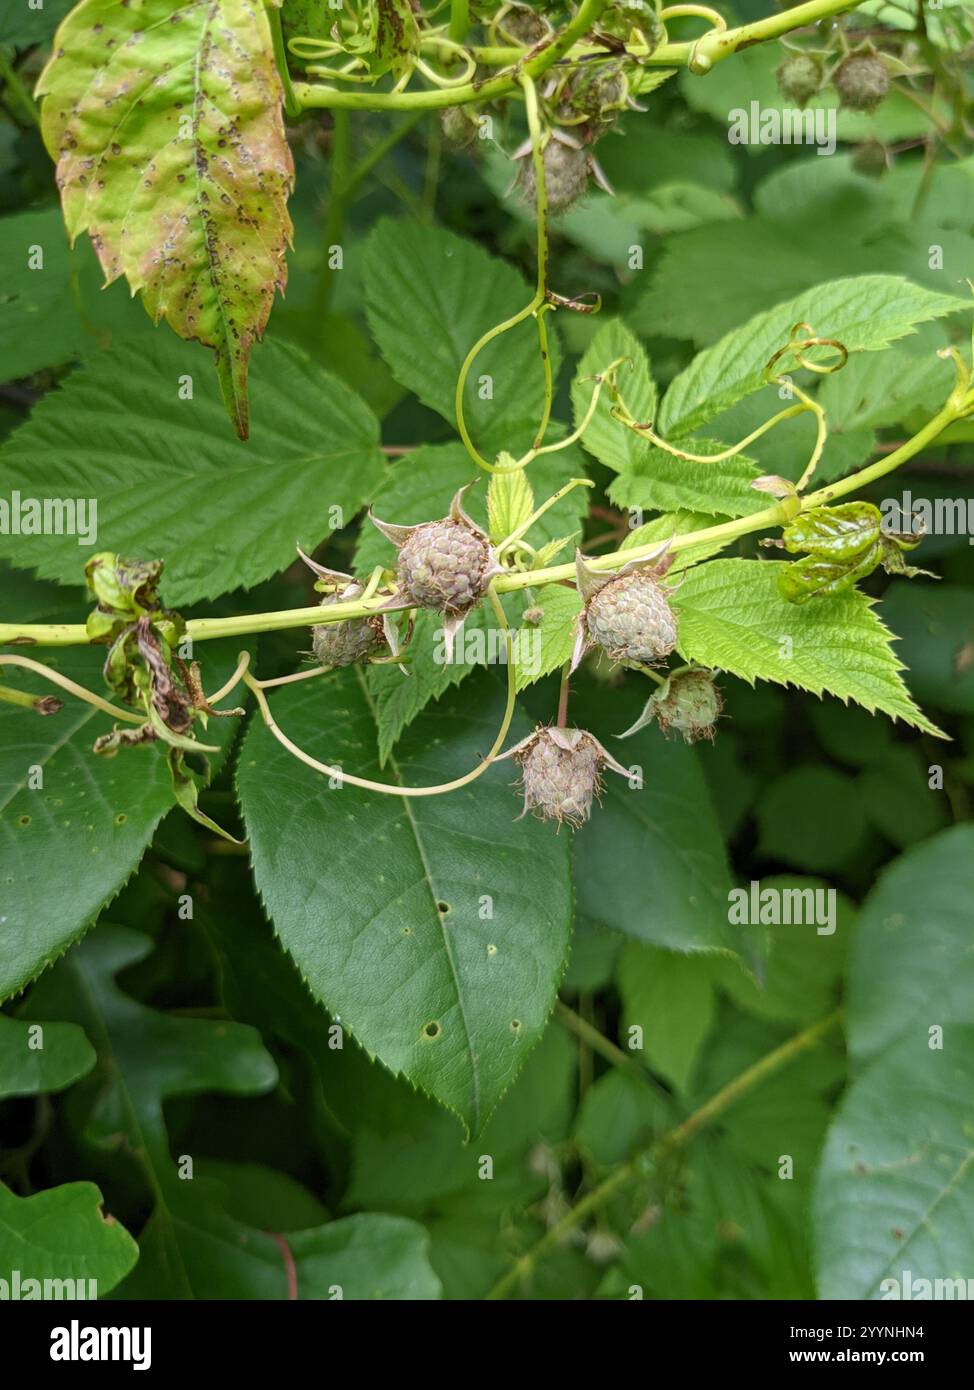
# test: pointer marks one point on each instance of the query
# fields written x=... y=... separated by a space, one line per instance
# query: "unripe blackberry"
x=871 y=158
x=444 y=565
x=353 y=639
x=566 y=170
x=344 y=643
x=688 y=702
x=862 y=81
x=561 y=773
x=627 y=614
x=524 y=25
x=799 y=77
x=459 y=129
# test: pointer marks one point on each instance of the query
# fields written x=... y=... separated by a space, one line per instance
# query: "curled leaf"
x=165 y=120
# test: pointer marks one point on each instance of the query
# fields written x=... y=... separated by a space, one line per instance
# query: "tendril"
x=797 y=347
x=338 y=774
x=72 y=687
x=538 y=305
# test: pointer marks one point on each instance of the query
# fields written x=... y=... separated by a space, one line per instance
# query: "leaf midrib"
x=447 y=947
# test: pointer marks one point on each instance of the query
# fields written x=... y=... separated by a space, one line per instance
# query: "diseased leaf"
x=732 y=617
x=396 y=36
x=164 y=117
x=167 y=479
x=443 y=959
x=864 y=313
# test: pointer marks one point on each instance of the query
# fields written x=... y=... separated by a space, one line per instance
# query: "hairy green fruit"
x=459 y=129
x=444 y=565
x=354 y=639
x=566 y=168
x=561 y=773
x=687 y=703
x=862 y=81
x=524 y=25
x=871 y=158
x=627 y=614
x=799 y=77
x=342 y=644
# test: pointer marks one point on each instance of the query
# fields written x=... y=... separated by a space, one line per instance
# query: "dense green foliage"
x=293 y=1004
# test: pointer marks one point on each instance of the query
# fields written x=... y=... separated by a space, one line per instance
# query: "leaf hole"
x=121 y=818
x=443 y=908
x=23 y=820
x=515 y=1025
x=432 y=1030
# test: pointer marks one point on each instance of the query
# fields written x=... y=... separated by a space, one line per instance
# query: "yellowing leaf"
x=165 y=121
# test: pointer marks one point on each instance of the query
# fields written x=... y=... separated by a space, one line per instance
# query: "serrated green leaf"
x=90 y=821
x=732 y=617
x=550 y=644
x=657 y=481
x=170 y=482
x=196 y=164
x=678 y=523
x=413 y=981
x=63 y=1236
x=428 y=320
x=865 y=313
x=611 y=443
x=43 y=1059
